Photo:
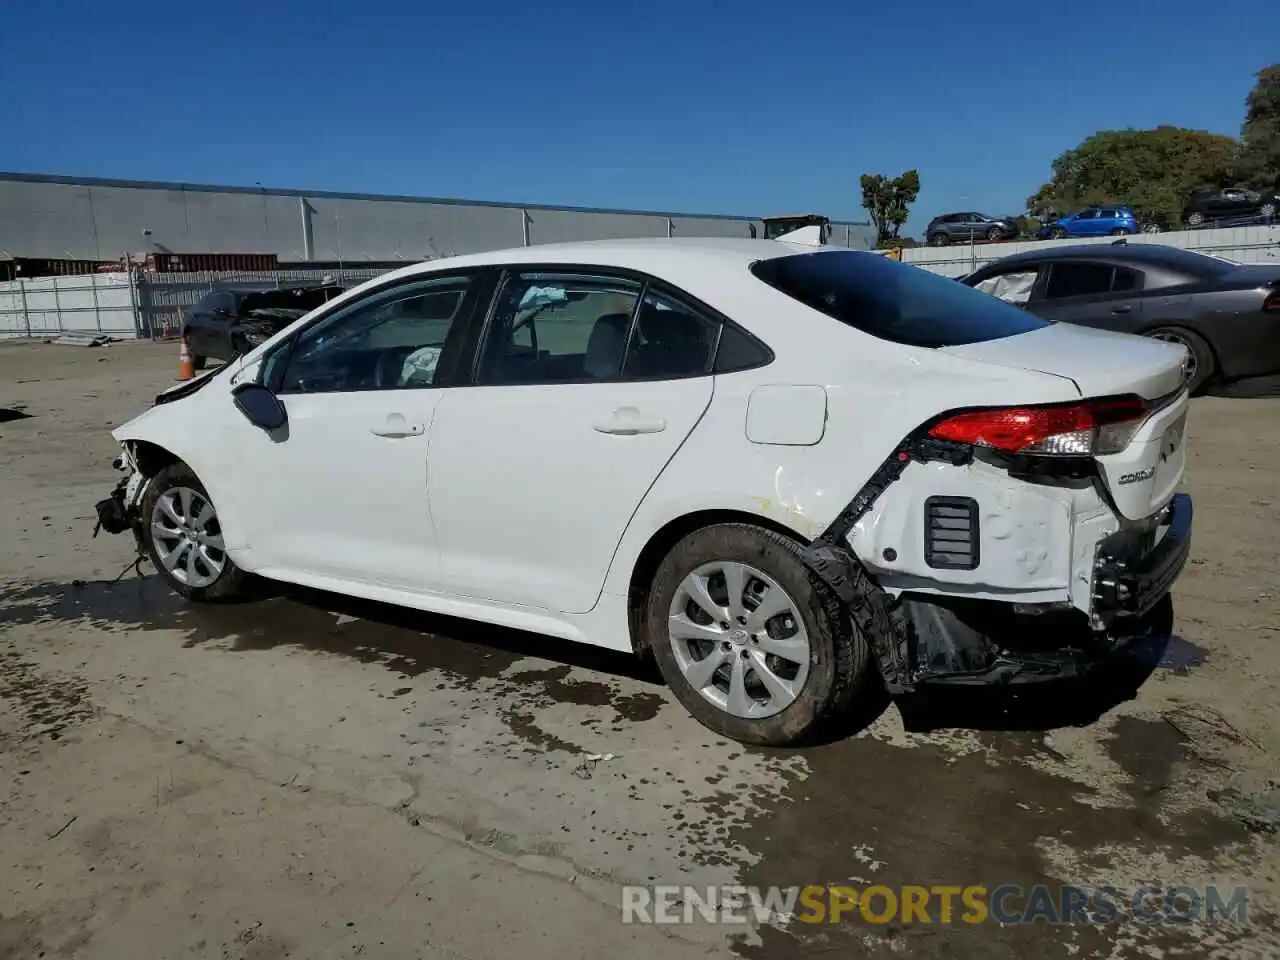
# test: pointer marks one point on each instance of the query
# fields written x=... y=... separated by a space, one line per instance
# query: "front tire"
x=994 y=234
x=1057 y=233
x=183 y=537
x=939 y=239
x=753 y=644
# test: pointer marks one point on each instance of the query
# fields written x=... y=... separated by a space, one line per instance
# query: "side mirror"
x=260 y=406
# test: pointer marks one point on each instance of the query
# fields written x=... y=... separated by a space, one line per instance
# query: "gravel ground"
x=310 y=776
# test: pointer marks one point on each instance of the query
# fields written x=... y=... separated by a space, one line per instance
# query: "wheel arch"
x=163 y=448
x=660 y=544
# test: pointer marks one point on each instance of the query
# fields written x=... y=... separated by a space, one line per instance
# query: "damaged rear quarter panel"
x=1028 y=534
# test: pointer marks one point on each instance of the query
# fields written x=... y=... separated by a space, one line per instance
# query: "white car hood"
x=1099 y=362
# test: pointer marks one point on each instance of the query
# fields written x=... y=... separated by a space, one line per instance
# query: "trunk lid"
x=1099 y=362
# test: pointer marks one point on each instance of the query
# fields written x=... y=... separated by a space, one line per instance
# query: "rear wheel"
x=1267 y=210
x=1200 y=364
x=183 y=536
x=1057 y=233
x=198 y=362
x=752 y=643
x=994 y=233
x=1195 y=219
x=1119 y=232
x=939 y=239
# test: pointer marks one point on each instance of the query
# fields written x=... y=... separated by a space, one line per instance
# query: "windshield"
x=894 y=301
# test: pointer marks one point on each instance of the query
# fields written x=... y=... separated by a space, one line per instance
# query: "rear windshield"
x=894 y=301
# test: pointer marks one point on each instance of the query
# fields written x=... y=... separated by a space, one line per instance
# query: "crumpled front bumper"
x=118 y=512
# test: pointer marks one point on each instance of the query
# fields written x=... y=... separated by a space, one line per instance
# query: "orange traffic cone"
x=186 y=369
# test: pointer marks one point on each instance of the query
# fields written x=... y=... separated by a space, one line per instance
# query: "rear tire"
x=994 y=234
x=1057 y=233
x=198 y=362
x=1195 y=219
x=704 y=658
x=1119 y=232
x=939 y=239
x=183 y=537
x=1202 y=358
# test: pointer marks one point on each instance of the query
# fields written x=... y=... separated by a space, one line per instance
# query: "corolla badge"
x=1138 y=475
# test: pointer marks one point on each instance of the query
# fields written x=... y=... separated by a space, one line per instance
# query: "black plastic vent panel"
x=951 y=540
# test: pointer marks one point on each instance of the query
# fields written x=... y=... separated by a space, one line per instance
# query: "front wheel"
x=1195 y=219
x=183 y=537
x=754 y=645
x=1119 y=232
x=1200 y=364
x=1057 y=233
x=995 y=233
x=939 y=239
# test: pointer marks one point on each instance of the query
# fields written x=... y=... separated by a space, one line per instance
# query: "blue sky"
x=700 y=106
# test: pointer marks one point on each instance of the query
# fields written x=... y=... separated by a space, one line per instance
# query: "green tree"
x=1259 y=163
x=889 y=201
x=1151 y=170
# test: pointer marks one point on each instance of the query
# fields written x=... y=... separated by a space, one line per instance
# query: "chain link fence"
x=136 y=304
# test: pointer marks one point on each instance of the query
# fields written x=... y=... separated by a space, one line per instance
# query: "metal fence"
x=162 y=298
x=1244 y=244
x=133 y=304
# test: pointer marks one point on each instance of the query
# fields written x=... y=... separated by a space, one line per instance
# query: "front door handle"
x=627 y=422
x=1122 y=309
x=396 y=427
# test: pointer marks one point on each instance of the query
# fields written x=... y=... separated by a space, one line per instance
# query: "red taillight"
x=1087 y=428
x=1272 y=303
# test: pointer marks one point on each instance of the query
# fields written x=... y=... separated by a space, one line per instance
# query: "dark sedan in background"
x=1226 y=314
x=1231 y=206
x=225 y=323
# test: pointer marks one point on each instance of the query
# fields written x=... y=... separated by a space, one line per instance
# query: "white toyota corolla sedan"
x=783 y=472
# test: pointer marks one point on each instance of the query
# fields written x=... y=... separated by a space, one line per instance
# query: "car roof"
x=666 y=256
x=1156 y=254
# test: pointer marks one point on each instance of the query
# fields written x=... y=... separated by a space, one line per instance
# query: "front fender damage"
x=119 y=511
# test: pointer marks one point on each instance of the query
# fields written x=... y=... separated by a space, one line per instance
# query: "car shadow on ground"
x=411 y=641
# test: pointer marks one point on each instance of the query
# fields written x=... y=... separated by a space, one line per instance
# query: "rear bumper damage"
x=1118 y=594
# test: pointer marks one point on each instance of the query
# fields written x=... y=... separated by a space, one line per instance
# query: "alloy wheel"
x=1189 y=364
x=187 y=537
x=739 y=639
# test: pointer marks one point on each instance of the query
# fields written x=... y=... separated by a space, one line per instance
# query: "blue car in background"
x=1110 y=221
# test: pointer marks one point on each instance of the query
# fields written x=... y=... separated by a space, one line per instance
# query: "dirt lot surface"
x=307 y=776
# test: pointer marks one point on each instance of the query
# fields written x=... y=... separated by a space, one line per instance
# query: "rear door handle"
x=396 y=427
x=1121 y=309
x=627 y=422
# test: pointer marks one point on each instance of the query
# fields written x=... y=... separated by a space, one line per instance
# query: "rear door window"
x=894 y=301
x=1078 y=280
